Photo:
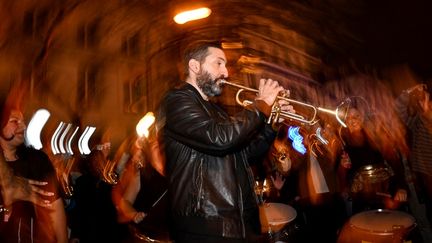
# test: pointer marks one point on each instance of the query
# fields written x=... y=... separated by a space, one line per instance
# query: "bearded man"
x=211 y=185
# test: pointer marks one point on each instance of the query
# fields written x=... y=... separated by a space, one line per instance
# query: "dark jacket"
x=207 y=152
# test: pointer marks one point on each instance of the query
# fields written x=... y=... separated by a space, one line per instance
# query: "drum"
x=378 y=226
x=371 y=180
x=147 y=235
x=281 y=219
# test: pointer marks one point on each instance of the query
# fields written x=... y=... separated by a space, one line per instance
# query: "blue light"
x=297 y=139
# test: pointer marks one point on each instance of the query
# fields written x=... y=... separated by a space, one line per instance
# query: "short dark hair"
x=198 y=51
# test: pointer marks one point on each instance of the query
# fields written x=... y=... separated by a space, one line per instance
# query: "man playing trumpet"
x=211 y=186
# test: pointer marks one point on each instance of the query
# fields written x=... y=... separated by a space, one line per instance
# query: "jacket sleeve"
x=204 y=127
x=260 y=145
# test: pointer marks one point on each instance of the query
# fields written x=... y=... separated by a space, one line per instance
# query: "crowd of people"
x=195 y=179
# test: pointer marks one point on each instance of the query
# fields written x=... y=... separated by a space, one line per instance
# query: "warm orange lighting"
x=142 y=128
x=190 y=15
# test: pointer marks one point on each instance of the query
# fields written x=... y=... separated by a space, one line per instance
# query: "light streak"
x=54 y=147
x=142 y=128
x=69 y=142
x=34 y=128
x=62 y=137
x=195 y=14
x=297 y=139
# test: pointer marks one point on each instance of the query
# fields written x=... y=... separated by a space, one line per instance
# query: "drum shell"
x=281 y=219
x=290 y=232
x=391 y=227
x=370 y=181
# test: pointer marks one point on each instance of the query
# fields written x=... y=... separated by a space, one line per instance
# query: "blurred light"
x=297 y=139
x=54 y=147
x=232 y=45
x=144 y=124
x=62 y=137
x=34 y=128
x=190 y=15
x=320 y=137
x=83 y=140
x=249 y=59
x=69 y=143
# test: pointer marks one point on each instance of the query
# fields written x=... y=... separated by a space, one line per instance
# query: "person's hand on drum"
x=395 y=201
x=401 y=195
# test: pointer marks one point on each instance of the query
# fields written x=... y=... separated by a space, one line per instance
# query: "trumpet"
x=311 y=110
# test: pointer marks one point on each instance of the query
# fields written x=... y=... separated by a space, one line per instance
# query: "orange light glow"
x=190 y=15
x=142 y=128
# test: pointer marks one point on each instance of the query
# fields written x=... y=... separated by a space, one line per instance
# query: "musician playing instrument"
x=210 y=184
x=362 y=154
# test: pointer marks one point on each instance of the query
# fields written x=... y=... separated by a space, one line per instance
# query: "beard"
x=208 y=85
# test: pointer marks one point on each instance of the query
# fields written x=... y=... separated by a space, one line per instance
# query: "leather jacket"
x=205 y=150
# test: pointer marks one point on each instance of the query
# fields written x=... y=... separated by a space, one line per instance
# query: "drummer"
x=361 y=149
x=308 y=182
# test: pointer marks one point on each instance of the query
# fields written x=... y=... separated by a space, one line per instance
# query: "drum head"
x=279 y=213
x=382 y=220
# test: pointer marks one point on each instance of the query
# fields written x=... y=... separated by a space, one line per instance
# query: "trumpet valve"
x=275 y=113
x=285 y=93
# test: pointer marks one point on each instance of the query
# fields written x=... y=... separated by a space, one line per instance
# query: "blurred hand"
x=27 y=190
x=419 y=96
x=278 y=181
x=268 y=91
x=285 y=107
x=139 y=216
x=138 y=159
x=401 y=195
x=418 y=87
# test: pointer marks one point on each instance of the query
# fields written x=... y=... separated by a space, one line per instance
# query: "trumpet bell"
x=304 y=113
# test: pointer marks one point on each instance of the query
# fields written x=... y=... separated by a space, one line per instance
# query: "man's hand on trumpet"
x=284 y=106
x=268 y=91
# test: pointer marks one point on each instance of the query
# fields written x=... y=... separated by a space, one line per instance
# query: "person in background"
x=94 y=217
x=311 y=184
x=281 y=168
x=140 y=197
x=25 y=220
x=210 y=183
x=361 y=153
x=414 y=108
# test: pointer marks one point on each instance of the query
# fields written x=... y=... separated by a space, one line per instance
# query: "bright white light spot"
x=62 y=137
x=54 y=147
x=190 y=15
x=69 y=142
x=83 y=140
x=34 y=128
x=144 y=124
x=320 y=137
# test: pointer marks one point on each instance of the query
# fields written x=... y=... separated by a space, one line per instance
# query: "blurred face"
x=282 y=156
x=212 y=69
x=354 y=120
x=105 y=148
x=15 y=127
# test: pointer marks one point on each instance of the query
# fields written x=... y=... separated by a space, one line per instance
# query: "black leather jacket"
x=207 y=154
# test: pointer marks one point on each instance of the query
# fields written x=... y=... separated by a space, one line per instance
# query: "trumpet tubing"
x=312 y=113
